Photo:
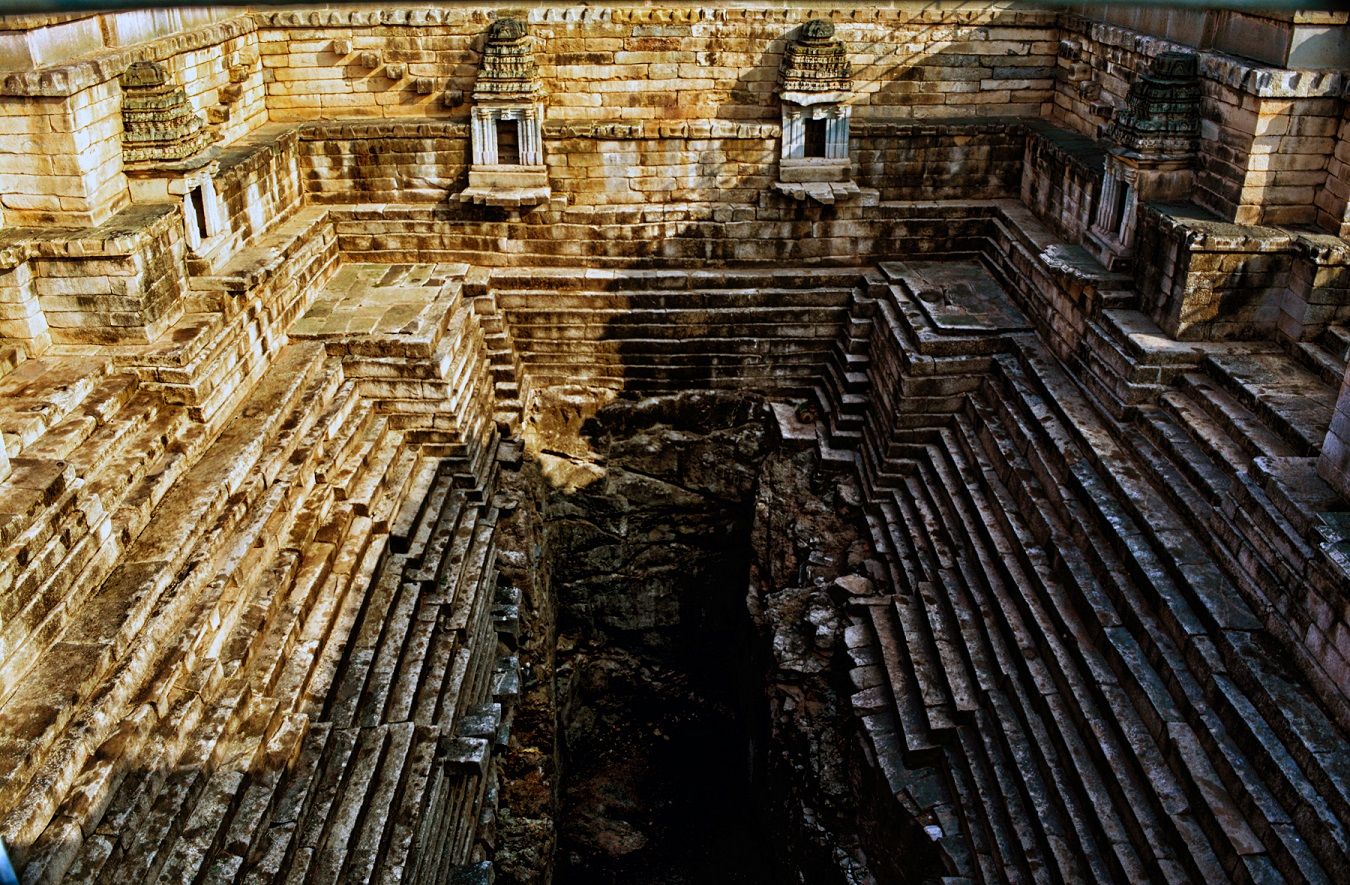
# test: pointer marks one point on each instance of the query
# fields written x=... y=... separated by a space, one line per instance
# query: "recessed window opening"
x=814 y=139
x=198 y=204
x=1118 y=209
x=508 y=142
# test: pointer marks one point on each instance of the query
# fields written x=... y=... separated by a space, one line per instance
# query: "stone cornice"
x=59 y=81
x=671 y=14
x=1243 y=75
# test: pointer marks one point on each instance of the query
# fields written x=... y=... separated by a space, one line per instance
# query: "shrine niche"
x=168 y=152
x=814 y=84
x=1152 y=157
x=506 y=123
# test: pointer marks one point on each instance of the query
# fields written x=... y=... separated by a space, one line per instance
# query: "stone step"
x=1232 y=622
x=65 y=538
x=106 y=640
x=1191 y=461
x=524 y=303
x=1018 y=742
x=985 y=583
x=1292 y=401
x=911 y=715
x=1073 y=666
x=567 y=278
x=37 y=395
x=1336 y=341
x=318 y=617
x=1323 y=363
x=1209 y=435
x=11 y=356
x=731 y=331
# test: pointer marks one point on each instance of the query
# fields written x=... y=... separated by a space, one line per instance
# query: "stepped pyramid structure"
x=424 y=429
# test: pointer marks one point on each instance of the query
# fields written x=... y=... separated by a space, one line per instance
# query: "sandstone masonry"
x=1051 y=308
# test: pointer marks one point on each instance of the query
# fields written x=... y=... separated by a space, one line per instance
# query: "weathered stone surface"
x=433 y=520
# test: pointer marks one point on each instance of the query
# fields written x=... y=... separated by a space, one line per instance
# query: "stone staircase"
x=90 y=453
x=157 y=724
x=895 y=369
x=1233 y=446
x=1326 y=355
x=1098 y=697
x=234 y=321
x=371 y=700
x=1065 y=684
x=663 y=330
x=411 y=339
x=510 y=383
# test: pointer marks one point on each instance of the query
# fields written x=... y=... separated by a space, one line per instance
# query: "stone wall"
x=1334 y=463
x=1208 y=279
x=65 y=166
x=122 y=282
x=1060 y=177
x=1333 y=200
x=683 y=63
x=258 y=183
x=424 y=161
x=1251 y=115
x=710 y=71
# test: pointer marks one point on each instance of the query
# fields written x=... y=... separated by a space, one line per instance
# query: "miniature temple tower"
x=813 y=83
x=168 y=152
x=1154 y=150
x=507 y=168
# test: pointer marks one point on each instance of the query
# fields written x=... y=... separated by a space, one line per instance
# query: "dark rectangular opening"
x=814 y=139
x=198 y=210
x=1118 y=209
x=508 y=142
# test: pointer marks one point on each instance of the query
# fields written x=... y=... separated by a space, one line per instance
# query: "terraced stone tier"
x=662 y=330
x=412 y=339
x=1076 y=674
x=200 y=607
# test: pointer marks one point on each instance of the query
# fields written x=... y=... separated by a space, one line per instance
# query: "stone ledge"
x=687 y=14
x=123 y=234
x=326 y=130
x=624 y=130
x=61 y=81
x=1246 y=76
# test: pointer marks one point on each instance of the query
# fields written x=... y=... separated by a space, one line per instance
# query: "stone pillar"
x=1334 y=464
x=21 y=318
x=484 y=137
x=532 y=137
x=836 y=133
x=1106 y=206
x=794 y=133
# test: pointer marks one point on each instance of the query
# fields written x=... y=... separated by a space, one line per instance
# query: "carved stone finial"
x=508 y=71
x=159 y=125
x=144 y=74
x=815 y=64
x=1162 y=112
x=817 y=29
x=505 y=30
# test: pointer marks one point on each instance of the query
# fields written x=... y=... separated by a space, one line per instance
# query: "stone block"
x=803 y=171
